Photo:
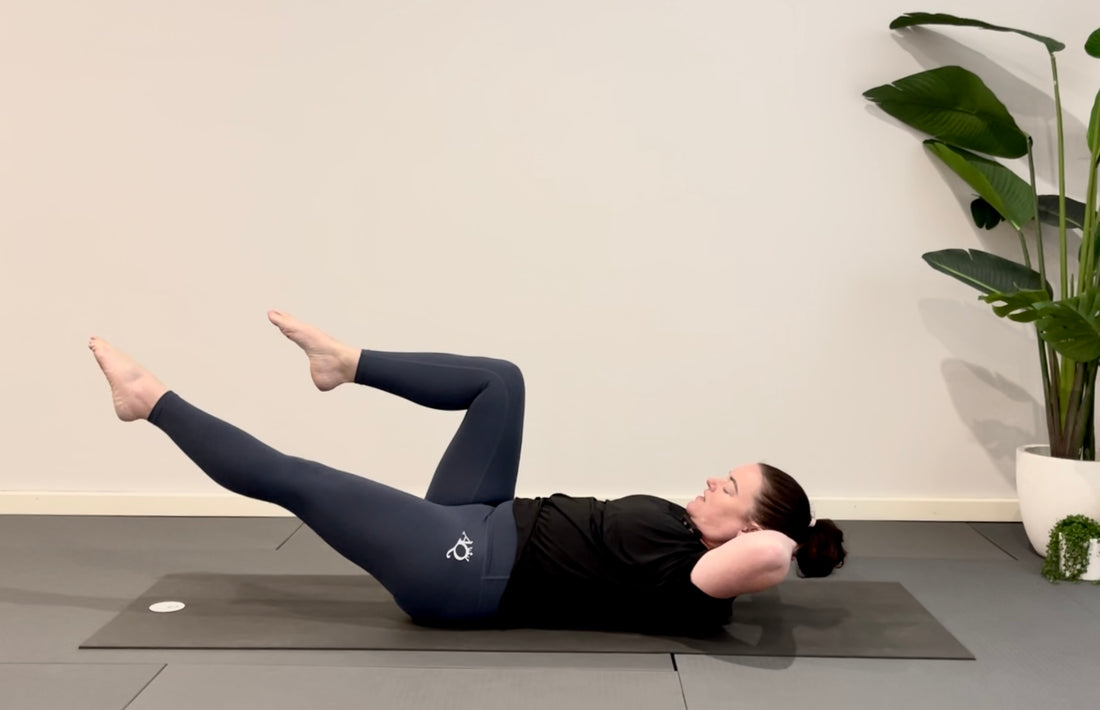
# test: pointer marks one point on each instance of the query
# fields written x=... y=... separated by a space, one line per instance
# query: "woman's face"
x=725 y=508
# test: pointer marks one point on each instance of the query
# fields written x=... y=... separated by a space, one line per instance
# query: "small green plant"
x=1077 y=532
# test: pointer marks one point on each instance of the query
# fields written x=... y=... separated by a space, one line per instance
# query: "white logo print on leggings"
x=463 y=549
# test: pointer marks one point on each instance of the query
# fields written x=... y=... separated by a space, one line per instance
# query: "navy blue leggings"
x=445 y=557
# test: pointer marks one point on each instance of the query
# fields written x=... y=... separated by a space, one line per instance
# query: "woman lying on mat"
x=470 y=552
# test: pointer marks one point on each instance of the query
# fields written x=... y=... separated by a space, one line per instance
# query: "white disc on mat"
x=165 y=607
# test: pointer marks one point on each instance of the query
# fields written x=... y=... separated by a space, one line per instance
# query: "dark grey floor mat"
x=802 y=618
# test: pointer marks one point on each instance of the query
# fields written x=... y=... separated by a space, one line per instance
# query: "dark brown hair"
x=782 y=505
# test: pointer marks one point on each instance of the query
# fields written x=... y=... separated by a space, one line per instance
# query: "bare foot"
x=331 y=363
x=133 y=388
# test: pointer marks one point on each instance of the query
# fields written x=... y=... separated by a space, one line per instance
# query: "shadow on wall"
x=1001 y=413
x=978 y=393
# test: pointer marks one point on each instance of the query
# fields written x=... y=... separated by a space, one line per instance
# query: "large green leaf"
x=955 y=106
x=1048 y=211
x=911 y=19
x=1019 y=306
x=984 y=215
x=1072 y=327
x=1000 y=187
x=989 y=273
x=1092 y=44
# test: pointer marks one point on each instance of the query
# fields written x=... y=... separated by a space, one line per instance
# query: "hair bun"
x=822 y=551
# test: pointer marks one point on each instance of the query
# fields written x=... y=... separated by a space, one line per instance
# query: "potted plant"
x=969 y=128
x=1073 y=553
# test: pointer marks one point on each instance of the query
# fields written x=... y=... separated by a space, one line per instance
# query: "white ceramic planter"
x=1092 y=569
x=1051 y=489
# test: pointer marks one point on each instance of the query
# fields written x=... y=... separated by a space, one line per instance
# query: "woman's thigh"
x=441 y=563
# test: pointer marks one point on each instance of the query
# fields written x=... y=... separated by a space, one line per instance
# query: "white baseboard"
x=991 y=510
x=145 y=504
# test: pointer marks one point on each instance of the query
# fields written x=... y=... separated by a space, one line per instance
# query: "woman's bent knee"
x=510 y=373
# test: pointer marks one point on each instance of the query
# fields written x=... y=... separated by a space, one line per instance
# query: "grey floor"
x=62 y=578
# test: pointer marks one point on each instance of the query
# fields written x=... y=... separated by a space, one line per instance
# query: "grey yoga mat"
x=798 y=618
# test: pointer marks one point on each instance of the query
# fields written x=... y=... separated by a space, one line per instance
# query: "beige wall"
x=680 y=219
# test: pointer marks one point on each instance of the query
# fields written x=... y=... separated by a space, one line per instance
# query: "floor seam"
x=679 y=679
x=992 y=542
x=145 y=686
x=292 y=534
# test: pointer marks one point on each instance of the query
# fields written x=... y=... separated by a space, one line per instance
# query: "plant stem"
x=1061 y=178
x=1090 y=429
x=1084 y=417
x=1023 y=246
x=1073 y=411
x=1038 y=222
x=1088 y=229
x=1054 y=393
x=1049 y=395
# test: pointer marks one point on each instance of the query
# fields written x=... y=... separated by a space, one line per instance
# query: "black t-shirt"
x=615 y=564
